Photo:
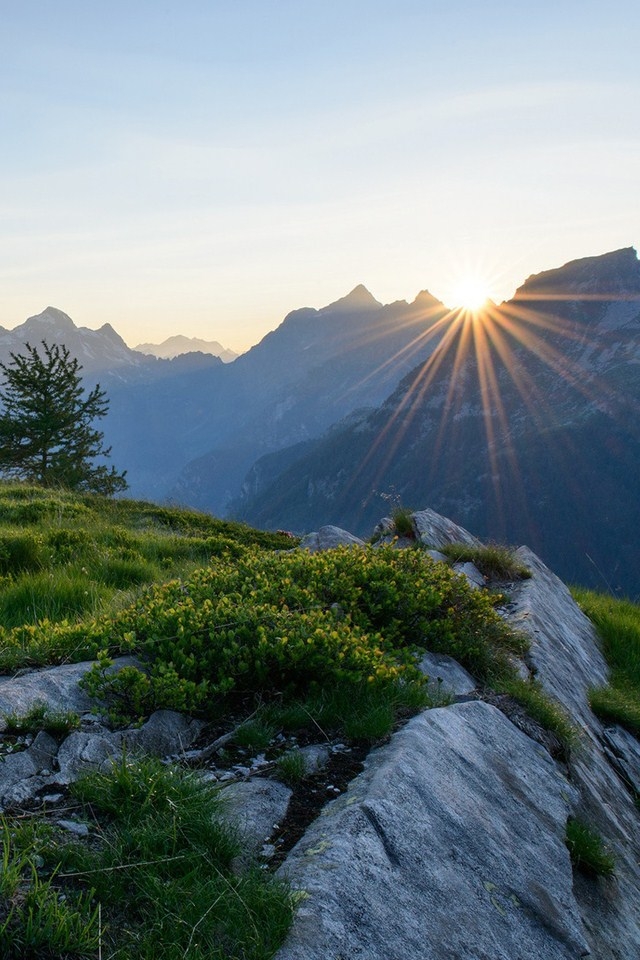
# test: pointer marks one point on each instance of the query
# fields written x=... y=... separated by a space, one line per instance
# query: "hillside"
x=268 y=672
x=524 y=429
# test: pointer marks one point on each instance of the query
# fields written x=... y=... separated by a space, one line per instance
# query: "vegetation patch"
x=587 y=850
x=59 y=723
x=618 y=624
x=156 y=882
x=494 y=561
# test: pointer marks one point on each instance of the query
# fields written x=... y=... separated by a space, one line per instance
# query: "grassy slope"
x=618 y=623
x=229 y=626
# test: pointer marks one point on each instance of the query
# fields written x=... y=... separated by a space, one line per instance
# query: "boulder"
x=56 y=688
x=449 y=844
x=328 y=538
x=437 y=531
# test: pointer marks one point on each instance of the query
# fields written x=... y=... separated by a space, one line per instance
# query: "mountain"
x=97 y=350
x=523 y=425
x=177 y=345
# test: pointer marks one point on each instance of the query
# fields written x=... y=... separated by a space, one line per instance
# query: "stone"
x=471 y=574
x=455 y=680
x=165 y=733
x=19 y=772
x=87 y=752
x=449 y=844
x=53 y=687
x=255 y=808
x=328 y=538
x=437 y=531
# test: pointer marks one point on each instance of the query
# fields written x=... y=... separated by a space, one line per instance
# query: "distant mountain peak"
x=52 y=317
x=609 y=273
x=426 y=299
x=358 y=299
x=178 y=345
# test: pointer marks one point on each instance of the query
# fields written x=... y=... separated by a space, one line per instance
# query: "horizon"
x=453 y=309
x=206 y=170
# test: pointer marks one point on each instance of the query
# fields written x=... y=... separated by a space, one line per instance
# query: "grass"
x=549 y=714
x=291 y=767
x=161 y=868
x=587 y=850
x=59 y=723
x=494 y=561
x=618 y=624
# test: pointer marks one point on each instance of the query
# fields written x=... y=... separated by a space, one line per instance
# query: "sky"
x=206 y=167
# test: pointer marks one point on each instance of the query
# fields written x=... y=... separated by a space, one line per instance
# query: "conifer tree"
x=46 y=432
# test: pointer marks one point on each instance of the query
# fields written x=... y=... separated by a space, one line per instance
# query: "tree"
x=46 y=433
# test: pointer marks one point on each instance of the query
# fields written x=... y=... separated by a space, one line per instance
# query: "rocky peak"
x=48 y=324
x=611 y=274
x=359 y=299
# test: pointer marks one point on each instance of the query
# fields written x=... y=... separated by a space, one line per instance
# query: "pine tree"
x=46 y=432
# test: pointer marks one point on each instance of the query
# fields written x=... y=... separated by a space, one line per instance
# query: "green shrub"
x=587 y=850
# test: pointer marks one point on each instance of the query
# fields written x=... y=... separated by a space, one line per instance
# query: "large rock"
x=565 y=653
x=450 y=844
x=56 y=688
x=437 y=531
x=328 y=538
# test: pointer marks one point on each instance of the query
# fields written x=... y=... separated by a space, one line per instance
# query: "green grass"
x=161 y=869
x=59 y=723
x=548 y=713
x=618 y=625
x=587 y=850
x=494 y=561
x=291 y=767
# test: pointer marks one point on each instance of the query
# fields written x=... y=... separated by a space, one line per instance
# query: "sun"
x=471 y=294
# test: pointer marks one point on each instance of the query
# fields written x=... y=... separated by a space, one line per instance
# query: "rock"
x=437 y=556
x=19 y=780
x=53 y=687
x=255 y=808
x=565 y=653
x=471 y=573
x=315 y=756
x=455 y=681
x=165 y=733
x=624 y=754
x=437 y=531
x=85 y=752
x=73 y=826
x=449 y=844
x=328 y=538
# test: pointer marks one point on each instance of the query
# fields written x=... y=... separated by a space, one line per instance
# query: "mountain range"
x=519 y=422
x=177 y=345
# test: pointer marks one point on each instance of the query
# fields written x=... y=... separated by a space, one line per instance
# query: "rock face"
x=450 y=844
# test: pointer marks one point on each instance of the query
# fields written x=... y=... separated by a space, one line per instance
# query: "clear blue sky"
x=205 y=167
